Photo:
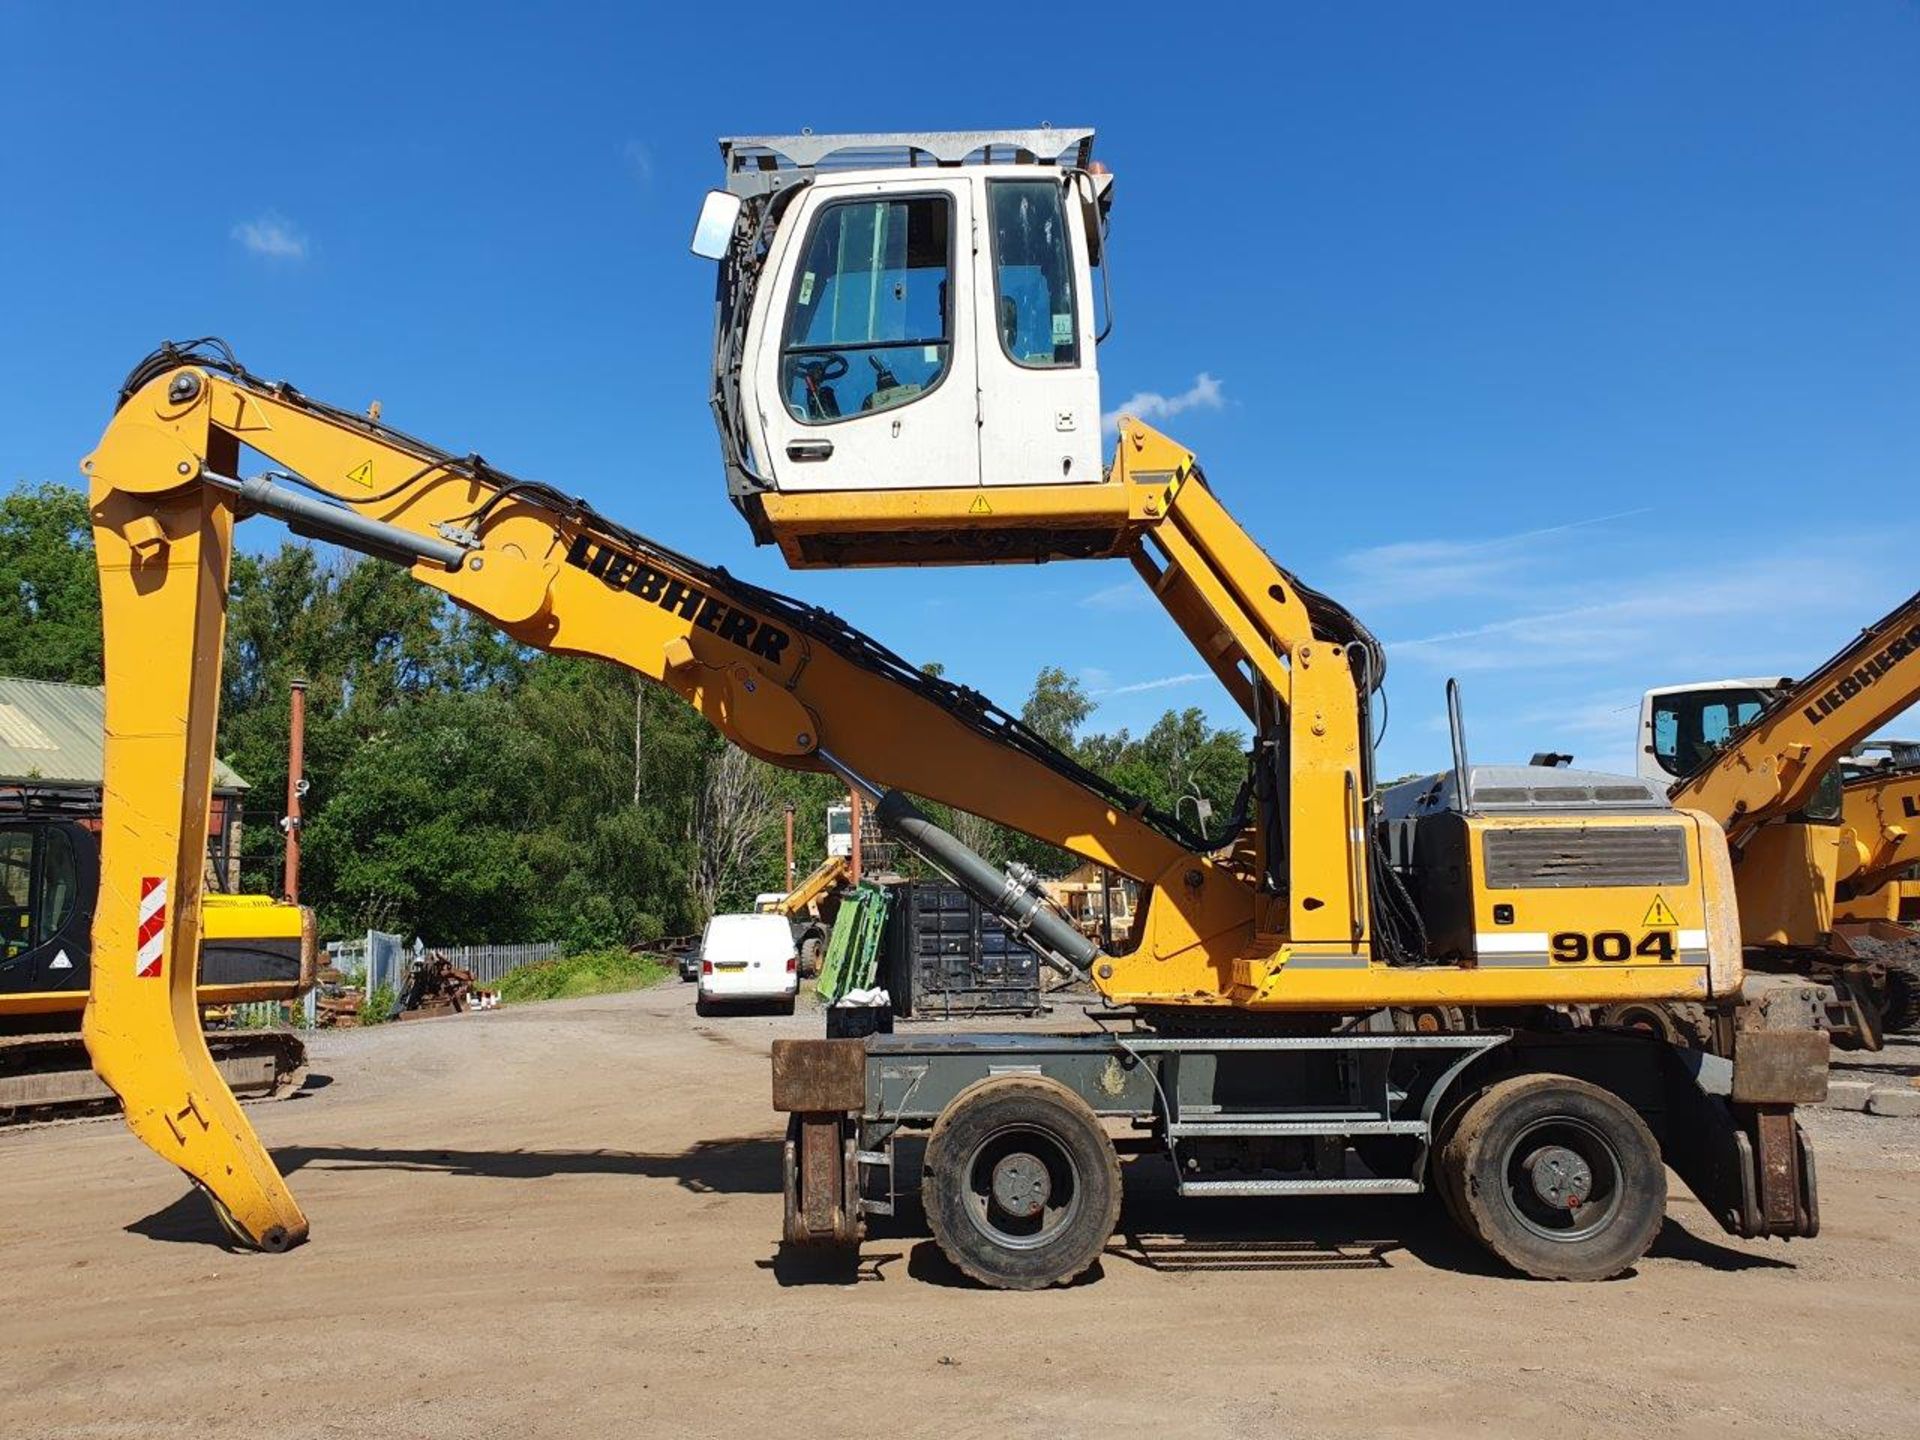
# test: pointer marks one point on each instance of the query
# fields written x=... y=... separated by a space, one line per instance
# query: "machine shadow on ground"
x=742 y=1166
x=1158 y=1231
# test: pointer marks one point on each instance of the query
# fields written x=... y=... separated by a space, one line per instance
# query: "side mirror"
x=713 y=232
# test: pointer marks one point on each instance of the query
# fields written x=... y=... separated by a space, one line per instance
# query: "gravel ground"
x=561 y=1220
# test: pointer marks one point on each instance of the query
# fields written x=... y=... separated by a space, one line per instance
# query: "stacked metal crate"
x=946 y=956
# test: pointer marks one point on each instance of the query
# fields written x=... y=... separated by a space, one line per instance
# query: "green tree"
x=1056 y=707
x=424 y=827
x=49 y=589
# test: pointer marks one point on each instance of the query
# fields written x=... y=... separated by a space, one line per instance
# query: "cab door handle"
x=810 y=450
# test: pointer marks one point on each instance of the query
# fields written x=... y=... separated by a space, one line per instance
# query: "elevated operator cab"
x=906 y=336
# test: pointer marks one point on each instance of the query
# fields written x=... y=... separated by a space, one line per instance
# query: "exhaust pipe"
x=1012 y=897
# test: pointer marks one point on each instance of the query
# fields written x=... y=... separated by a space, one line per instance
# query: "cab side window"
x=1033 y=274
x=59 y=886
x=16 y=892
x=869 y=325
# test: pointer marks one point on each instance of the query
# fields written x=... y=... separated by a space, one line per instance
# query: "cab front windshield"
x=867 y=328
x=1690 y=727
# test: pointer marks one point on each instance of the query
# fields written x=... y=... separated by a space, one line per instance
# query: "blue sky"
x=1578 y=349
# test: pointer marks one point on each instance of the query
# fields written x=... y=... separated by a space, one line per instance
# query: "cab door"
x=1039 y=389
x=864 y=366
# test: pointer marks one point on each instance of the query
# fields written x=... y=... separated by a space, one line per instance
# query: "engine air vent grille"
x=1533 y=857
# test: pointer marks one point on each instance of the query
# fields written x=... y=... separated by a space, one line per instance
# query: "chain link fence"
x=489 y=962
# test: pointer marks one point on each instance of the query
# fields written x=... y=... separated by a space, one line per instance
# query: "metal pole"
x=1106 y=909
x=858 y=805
x=789 y=847
x=296 y=786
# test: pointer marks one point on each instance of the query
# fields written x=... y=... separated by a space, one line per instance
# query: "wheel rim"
x=1562 y=1179
x=1022 y=1187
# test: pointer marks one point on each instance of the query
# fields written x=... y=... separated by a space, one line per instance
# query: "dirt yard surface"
x=562 y=1221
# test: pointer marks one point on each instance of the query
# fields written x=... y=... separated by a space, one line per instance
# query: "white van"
x=747 y=959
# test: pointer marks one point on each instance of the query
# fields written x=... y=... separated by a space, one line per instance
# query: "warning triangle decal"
x=980 y=506
x=1659 y=916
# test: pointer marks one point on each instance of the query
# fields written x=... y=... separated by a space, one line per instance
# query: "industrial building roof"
x=51 y=734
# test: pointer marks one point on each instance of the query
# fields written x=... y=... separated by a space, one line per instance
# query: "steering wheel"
x=817 y=369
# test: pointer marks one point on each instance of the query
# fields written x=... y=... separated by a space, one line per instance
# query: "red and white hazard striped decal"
x=153 y=928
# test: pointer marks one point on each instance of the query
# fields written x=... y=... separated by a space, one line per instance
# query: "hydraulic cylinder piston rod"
x=319 y=519
x=1013 y=899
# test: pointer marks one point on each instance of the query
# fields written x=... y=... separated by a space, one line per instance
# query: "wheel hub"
x=1561 y=1177
x=1021 y=1185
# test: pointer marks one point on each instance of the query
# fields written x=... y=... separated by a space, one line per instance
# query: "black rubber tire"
x=1440 y=1177
x=1035 y=1107
x=813 y=949
x=1900 y=1010
x=1631 y=1181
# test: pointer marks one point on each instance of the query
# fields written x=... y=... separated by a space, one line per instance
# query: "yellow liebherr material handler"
x=1267 y=1022
x=1880 y=838
x=1766 y=757
x=1879 y=858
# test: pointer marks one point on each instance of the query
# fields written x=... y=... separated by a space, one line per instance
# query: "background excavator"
x=253 y=948
x=809 y=907
x=1768 y=758
x=1879 y=885
x=889 y=391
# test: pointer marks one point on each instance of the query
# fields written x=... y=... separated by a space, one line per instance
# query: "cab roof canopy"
x=759 y=164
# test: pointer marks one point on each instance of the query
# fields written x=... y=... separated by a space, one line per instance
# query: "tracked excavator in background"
x=905 y=373
x=1769 y=758
x=253 y=948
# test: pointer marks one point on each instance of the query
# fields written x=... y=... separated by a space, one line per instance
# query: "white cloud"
x=1555 y=648
x=1421 y=571
x=272 y=236
x=1151 y=405
x=1163 y=682
x=1121 y=595
x=1639 y=622
x=639 y=158
x=1679 y=622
